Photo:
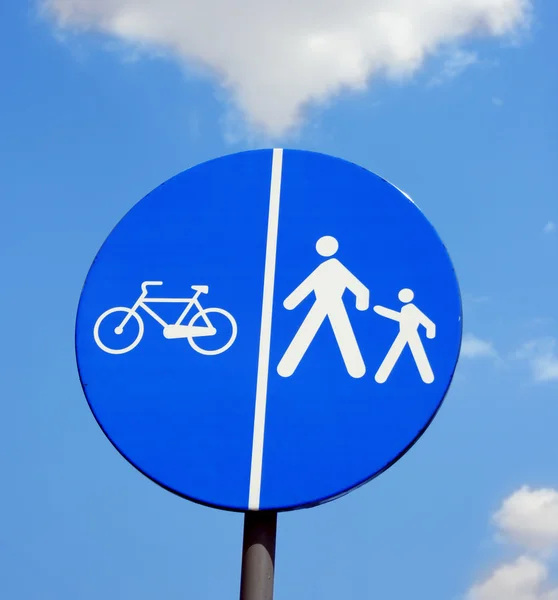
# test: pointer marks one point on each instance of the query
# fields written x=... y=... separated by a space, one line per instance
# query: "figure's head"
x=327 y=246
x=406 y=295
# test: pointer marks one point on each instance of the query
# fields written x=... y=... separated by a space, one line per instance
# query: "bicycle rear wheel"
x=115 y=327
x=219 y=326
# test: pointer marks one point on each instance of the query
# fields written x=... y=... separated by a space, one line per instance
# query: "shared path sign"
x=268 y=330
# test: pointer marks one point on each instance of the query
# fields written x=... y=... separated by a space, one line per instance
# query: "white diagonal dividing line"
x=265 y=331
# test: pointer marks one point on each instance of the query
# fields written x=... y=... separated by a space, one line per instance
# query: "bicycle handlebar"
x=146 y=283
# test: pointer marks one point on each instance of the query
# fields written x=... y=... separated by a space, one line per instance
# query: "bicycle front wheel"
x=226 y=330
x=110 y=323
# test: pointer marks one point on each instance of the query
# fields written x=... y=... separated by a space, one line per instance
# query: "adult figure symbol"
x=328 y=282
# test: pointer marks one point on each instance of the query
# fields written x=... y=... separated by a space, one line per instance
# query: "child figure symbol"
x=409 y=318
x=328 y=282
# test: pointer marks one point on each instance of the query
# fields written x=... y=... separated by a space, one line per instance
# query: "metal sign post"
x=258 y=556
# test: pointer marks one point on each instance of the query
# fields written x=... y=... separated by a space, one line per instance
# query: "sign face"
x=268 y=330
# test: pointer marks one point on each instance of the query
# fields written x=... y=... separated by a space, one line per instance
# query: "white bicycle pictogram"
x=170 y=330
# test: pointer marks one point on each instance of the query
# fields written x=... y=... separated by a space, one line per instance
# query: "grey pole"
x=258 y=555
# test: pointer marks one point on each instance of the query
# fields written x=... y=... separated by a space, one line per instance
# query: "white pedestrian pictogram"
x=199 y=325
x=409 y=318
x=328 y=282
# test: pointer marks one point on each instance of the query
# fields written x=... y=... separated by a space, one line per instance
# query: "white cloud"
x=530 y=518
x=550 y=227
x=458 y=61
x=474 y=347
x=542 y=358
x=276 y=57
x=524 y=579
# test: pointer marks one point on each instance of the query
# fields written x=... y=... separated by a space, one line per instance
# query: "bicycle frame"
x=143 y=300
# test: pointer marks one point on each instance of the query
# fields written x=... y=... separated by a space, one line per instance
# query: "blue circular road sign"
x=268 y=330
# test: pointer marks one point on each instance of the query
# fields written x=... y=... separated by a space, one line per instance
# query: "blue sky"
x=89 y=125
